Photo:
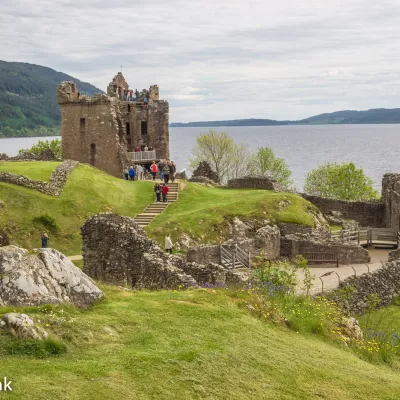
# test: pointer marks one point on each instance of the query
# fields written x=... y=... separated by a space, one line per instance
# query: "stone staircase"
x=154 y=209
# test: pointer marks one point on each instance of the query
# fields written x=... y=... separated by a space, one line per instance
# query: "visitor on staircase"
x=164 y=191
x=157 y=190
x=153 y=169
x=166 y=171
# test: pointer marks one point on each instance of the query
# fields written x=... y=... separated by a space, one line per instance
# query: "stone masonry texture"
x=117 y=251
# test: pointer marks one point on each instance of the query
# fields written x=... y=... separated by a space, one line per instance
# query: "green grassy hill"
x=28 y=98
x=198 y=344
x=201 y=212
x=204 y=213
x=87 y=191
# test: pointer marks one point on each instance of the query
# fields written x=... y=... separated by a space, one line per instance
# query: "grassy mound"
x=38 y=171
x=203 y=212
x=28 y=213
x=187 y=345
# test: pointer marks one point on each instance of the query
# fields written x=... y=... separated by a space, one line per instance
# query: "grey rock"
x=46 y=276
x=22 y=327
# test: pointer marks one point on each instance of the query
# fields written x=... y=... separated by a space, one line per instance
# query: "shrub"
x=47 y=222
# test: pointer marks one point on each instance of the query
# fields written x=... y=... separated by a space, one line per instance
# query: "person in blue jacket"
x=131 y=174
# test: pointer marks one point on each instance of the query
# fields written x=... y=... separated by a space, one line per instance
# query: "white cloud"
x=219 y=59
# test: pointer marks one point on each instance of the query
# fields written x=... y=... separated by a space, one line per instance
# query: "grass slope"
x=189 y=345
x=204 y=212
x=87 y=191
x=36 y=171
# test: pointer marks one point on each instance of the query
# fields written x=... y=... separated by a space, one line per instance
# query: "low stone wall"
x=55 y=185
x=291 y=229
x=117 y=251
x=266 y=241
x=368 y=213
x=385 y=283
x=258 y=182
x=293 y=245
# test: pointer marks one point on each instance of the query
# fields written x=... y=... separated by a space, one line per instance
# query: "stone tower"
x=105 y=130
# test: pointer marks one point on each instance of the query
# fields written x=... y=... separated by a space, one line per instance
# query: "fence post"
x=220 y=254
x=358 y=236
x=249 y=258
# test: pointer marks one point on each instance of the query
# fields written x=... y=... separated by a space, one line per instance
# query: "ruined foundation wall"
x=366 y=213
x=391 y=200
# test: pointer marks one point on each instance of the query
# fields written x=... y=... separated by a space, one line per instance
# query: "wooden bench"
x=322 y=258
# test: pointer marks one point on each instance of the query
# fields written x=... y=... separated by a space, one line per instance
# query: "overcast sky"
x=219 y=59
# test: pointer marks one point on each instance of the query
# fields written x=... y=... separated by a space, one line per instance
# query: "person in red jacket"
x=153 y=169
x=164 y=192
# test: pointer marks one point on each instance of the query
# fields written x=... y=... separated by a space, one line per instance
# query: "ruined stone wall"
x=391 y=200
x=56 y=182
x=266 y=241
x=99 y=139
x=369 y=213
x=385 y=283
x=293 y=245
x=291 y=229
x=250 y=182
x=158 y=128
x=117 y=251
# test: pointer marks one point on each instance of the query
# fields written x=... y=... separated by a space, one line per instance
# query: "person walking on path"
x=153 y=169
x=157 y=191
x=166 y=171
x=140 y=172
x=172 y=170
x=165 y=190
x=168 y=244
x=126 y=173
x=45 y=241
x=131 y=174
x=161 y=165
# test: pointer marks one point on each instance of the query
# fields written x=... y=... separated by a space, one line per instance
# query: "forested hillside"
x=28 y=99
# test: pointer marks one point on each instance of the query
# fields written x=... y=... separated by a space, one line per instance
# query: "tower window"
x=128 y=129
x=82 y=125
x=143 y=126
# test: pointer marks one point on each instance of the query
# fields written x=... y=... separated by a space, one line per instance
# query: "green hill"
x=201 y=212
x=28 y=99
x=197 y=344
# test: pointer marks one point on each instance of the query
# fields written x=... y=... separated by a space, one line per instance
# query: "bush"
x=38 y=148
x=47 y=222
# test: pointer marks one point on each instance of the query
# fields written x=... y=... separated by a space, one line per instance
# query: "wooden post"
x=220 y=254
x=358 y=236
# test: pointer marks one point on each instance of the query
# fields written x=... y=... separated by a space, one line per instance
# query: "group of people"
x=161 y=189
x=145 y=148
x=166 y=170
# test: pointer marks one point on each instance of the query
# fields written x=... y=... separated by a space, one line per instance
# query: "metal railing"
x=143 y=155
x=368 y=236
x=234 y=257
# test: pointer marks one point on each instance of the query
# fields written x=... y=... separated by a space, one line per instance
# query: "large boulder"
x=42 y=277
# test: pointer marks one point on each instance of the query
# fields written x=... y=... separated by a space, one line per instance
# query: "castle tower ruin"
x=105 y=130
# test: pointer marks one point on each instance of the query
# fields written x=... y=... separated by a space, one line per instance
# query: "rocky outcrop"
x=117 y=251
x=55 y=185
x=204 y=170
x=46 y=276
x=334 y=217
x=21 y=326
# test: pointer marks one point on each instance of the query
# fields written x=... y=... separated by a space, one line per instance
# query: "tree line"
x=231 y=160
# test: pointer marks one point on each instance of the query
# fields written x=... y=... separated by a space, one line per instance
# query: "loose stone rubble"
x=43 y=277
x=22 y=327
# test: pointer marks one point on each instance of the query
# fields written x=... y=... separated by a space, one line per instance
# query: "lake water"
x=375 y=148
